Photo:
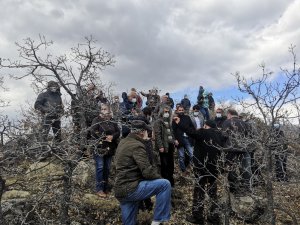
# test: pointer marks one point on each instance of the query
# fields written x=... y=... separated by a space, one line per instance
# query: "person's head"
x=196 y=110
x=132 y=97
x=186 y=96
x=101 y=94
x=124 y=96
x=165 y=112
x=116 y=99
x=180 y=110
x=147 y=111
x=177 y=106
x=91 y=87
x=210 y=124
x=53 y=86
x=168 y=94
x=139 y=128
x=232 y=113
x=105 y=112
x=219 y=112
x=164 y=98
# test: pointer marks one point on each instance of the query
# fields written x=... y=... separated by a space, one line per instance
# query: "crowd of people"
x=144 y=140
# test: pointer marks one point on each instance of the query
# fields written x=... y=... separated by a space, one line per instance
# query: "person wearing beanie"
x=208 y=141
x=50 y=105
x=137 y=179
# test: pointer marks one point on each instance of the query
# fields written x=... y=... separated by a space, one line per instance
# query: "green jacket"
x=132 y=166
x=163 y=134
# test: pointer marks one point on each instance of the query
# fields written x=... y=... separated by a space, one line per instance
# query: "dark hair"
x=211 y=123
x=196 y=107
x=147 y=111
x=232 y=112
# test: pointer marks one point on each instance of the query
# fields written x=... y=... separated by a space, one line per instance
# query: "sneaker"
x=193 y=220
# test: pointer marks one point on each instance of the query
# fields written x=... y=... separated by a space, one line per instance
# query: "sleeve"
x=94 y=128
x=190 y=130
x=158 y=134
x=149 y=172
x=40 y=103
x=116 y=134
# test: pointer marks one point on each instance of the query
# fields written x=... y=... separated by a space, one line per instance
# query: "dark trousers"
x=54 y=123
x=167 y=164
x=204 y=184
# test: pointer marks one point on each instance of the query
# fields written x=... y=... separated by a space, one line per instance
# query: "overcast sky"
x=175 y=45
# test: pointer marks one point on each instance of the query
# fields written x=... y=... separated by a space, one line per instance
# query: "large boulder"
x=83 y=174
x=15 y=194
x=44 y=170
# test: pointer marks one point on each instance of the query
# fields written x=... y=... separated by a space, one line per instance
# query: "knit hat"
x=211 y=123
x=139 y=125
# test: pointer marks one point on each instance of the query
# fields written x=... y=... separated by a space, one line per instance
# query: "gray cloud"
x=170 y=44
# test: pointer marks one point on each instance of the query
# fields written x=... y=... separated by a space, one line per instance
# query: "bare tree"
x=270 y=101
x=73 y=71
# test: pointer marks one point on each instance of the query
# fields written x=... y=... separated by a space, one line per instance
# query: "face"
x=105 y=112
x=53 y=88
x=180 y=110
x=164 y=99
x=229 y=116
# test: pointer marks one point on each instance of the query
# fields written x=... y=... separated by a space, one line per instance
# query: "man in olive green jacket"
x=137 y=179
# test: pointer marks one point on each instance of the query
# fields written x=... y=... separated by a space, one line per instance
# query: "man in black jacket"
x=50 y=105
x=237 y=144
x=208 y=140
x=182 y=139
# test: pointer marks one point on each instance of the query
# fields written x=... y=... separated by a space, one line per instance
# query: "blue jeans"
x=161 y=188
x=186 y=146
x=102 y=171
x=205 y=113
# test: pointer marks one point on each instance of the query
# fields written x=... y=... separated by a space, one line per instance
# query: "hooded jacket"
x=49 y=103
x=132 y=165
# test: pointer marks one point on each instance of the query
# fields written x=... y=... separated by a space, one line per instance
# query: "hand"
x=176 y=119
x=176 y=143
x=109 y=138
x=161 y=149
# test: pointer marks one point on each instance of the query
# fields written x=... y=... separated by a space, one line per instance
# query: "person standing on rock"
x=105 y=135
x=50 y=105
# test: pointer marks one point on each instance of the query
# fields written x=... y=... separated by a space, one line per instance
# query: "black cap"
x=139 y=125
x=168 y=93
x=211 y=123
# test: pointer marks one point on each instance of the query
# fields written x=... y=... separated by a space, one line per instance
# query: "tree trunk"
x=67 y=192
x=269 y=188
